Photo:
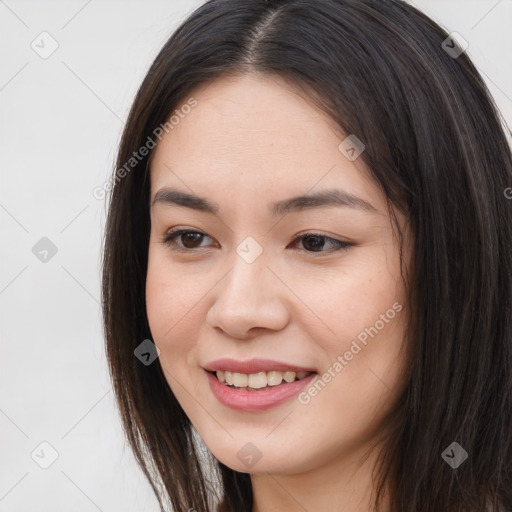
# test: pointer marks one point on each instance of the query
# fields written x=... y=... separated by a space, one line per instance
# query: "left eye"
x=317 y=242
x=313 y=242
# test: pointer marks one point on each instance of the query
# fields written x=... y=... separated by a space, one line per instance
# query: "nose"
x=248 y=299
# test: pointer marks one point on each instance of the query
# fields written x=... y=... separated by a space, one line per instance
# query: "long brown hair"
x=435 y=143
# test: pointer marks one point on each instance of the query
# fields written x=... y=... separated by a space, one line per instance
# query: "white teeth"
x=240 y=380
x=289 y=376
x=274 y=378
x=258 y=380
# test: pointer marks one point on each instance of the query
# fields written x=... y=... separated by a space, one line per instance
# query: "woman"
x=307 y=284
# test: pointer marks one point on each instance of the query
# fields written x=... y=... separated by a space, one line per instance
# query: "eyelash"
x=169 y=240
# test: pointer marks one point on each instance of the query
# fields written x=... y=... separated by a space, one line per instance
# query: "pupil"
x=189 y=237
x=317 y=244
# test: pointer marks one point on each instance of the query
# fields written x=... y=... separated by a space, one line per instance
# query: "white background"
x=60 y=123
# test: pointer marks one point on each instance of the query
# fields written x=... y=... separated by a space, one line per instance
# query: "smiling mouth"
x=258 y=381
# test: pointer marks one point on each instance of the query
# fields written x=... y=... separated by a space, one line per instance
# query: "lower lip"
x=253 y=401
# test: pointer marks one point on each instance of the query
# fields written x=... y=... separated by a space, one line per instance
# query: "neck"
x=344 y=485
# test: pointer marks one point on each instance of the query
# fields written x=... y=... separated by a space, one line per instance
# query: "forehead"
x=259 y=134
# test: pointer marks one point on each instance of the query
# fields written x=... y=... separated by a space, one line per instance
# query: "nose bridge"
x=247 y=283
x=248 y=296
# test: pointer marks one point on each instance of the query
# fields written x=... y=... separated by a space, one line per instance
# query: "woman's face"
x=246 y=288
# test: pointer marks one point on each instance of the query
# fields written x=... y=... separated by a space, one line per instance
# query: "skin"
x=250 y=141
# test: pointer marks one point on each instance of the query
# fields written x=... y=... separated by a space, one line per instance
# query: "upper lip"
x=253 y=366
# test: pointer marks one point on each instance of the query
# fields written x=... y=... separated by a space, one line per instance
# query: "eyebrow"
x=326 y=198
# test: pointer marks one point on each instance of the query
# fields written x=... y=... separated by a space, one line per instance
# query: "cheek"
x=364 y=309
x=175 y=319
x=350 y=298
x=172 y=307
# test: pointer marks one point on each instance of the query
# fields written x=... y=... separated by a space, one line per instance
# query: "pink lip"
x=253 y=401
x=253 y=366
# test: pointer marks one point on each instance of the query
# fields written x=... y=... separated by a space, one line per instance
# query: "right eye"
x=188 y=238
